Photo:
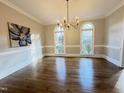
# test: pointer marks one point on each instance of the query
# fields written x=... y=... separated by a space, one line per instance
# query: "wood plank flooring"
x=66 y=75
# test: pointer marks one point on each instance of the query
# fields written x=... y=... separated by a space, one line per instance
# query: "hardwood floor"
x=66 y=75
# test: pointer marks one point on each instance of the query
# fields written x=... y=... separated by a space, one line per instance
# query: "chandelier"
x=66 y=23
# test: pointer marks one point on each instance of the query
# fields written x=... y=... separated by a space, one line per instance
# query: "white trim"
x=49 y=46
x=72 y=45
x=9 y=4
x=112 y=47
x=115 y=9
x=107 y=46
x=95 y=46
x=114 y=61
x=99 y=45
x=93 y=37
x=122 y=45
x=74 y=55
x=55 y=41
x=122 y=54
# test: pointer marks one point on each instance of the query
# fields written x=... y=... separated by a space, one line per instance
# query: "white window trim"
x=55 y=43
x=92 y=37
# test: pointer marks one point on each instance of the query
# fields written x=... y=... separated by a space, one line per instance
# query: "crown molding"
x=9 y=4
x=115 y=8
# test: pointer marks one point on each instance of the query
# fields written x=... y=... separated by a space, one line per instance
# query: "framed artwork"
x=19 y=35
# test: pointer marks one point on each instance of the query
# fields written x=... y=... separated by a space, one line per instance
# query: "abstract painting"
x=19 y=35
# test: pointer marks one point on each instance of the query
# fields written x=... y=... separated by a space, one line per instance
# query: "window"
x=87 y=39
x=59 y=40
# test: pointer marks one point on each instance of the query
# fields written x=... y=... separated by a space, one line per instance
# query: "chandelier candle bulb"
x=60 y=25
x=77 y=19
x=58 y=22
x=78 y=22
x=68 y=26
x=64 y=20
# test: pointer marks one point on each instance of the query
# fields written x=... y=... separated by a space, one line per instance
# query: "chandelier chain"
x=67 y=11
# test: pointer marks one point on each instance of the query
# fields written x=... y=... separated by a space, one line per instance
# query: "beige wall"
x=72 y=38
x=9 y=15
x=24 y=55
x=114 y=35
x=108 y=32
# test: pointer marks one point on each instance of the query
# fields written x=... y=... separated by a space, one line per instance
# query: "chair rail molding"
x=49 y=46
x=113 y=47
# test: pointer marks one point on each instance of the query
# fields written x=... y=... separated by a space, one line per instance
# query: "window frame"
x=93 y=38
x=55 y=42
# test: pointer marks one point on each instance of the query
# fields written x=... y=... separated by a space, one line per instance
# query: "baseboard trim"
x=74 y=55
x=13 y=69
x=113 y=61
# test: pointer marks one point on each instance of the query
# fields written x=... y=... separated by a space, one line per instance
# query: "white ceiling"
x=49 y=11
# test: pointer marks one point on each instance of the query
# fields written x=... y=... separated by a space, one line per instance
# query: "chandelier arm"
x=73 y=26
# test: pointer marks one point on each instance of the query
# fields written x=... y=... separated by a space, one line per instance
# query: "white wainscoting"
x=12 y=60
x=114 y=61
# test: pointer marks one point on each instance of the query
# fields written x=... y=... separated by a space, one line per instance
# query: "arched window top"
x=59 y=29
x=87 y=26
